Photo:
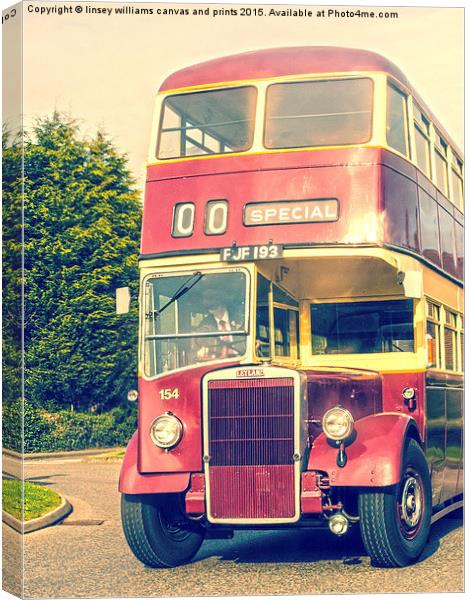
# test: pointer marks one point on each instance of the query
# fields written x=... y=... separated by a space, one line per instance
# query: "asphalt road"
x=79 y=559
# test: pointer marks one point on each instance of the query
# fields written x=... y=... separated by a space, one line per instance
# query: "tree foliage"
x=12 y=158
x=81 y=240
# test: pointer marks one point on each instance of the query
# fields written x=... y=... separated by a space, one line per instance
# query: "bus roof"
x=282 y=62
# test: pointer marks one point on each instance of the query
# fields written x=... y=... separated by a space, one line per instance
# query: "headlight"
x=166 y=431
x=337 y=423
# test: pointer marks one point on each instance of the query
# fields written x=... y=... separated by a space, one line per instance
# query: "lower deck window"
x=362 y=327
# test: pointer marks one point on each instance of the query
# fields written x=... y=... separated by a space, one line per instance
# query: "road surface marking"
x=42 y=462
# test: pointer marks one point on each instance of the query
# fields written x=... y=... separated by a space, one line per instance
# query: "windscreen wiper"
x=181 y=291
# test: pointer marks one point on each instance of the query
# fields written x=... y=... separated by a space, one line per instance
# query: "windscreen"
x=362 y=327
x=319 y=113
x=209 y=122
x=194 y=318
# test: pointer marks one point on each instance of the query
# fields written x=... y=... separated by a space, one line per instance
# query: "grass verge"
x=111 y=456
x=38 y=500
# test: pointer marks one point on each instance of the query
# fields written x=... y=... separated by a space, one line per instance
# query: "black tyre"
x=157 y=531
x=395 y=522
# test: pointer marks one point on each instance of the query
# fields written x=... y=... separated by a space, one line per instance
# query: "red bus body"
x=384 y=202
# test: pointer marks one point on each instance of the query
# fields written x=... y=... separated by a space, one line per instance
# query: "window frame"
x=456 y=168
x=460 y=342
x=143 y=365
x=294 y=332
x=426 y=132
x=457 y=329
x=391 y=83
x=315 y=80
x=453 y=162
x=160 y=129
x=441 y=150
x=361 y=356
x=435 y=319
x=452 y=328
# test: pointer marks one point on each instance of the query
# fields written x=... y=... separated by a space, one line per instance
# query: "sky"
x=104 y=70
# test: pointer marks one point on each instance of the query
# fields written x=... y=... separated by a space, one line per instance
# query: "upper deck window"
x=457 y=181
x=319 y=113
x=209 y=122
x=397 y=120
x=440 y=155
x=422 y=141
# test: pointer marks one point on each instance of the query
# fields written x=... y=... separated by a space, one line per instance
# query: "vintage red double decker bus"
x=301 y=328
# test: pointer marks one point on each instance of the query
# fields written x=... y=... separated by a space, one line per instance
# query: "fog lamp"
x=337 y=423
x=166 y=431
x=338 y=524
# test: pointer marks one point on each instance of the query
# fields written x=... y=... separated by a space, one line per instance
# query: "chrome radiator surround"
x=265 y=373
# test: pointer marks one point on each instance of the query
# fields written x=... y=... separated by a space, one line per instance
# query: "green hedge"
x=65 y=430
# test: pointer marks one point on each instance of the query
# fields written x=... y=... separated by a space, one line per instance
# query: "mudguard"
x=133 y=482
x=374 y=456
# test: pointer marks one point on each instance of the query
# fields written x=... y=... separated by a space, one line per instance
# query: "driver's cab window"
x=286 y=324
x=277 y=322
x=263 y=333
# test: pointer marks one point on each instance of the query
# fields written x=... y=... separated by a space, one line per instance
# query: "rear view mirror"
x=123 y=300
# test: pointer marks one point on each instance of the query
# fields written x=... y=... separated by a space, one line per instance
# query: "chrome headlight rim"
x=347 y=430
x=177 y=425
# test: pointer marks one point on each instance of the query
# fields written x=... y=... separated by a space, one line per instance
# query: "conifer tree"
x=81 y=240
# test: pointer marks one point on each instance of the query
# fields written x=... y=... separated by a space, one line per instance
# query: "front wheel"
x=395 y=523
x=157 y=531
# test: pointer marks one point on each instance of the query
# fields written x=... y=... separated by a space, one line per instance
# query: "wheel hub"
x=411 y=502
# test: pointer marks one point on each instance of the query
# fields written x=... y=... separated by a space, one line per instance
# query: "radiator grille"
x=251 y=443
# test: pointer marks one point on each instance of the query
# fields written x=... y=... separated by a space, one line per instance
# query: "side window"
x=447 y=235
x=440 y=156
x=283 y=331
x=263 y=335
x=445 y=337
x=422 y=141
x=461 y=343
x=286 y=324
x=362 y=327
x=457 y=182
x=450 y=340
x=397 y=120
x=432 y=334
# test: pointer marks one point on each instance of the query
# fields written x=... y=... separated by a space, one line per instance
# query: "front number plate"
x=242 y=253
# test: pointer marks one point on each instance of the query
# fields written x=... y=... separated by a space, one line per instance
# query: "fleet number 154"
x=169 y=393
